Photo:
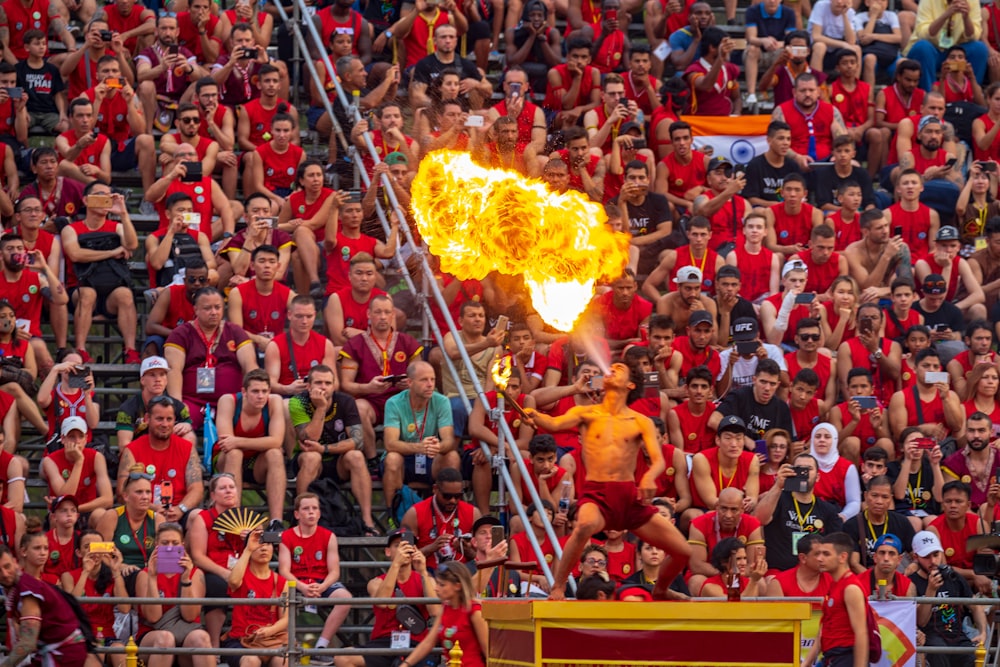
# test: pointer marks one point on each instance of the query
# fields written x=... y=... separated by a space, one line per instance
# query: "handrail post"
x=293 y=652
x=131 y=653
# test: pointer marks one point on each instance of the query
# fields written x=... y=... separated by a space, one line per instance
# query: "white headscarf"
x=828 y=460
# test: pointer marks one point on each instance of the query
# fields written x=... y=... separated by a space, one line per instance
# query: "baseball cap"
x=718 y=162
x=62 y=499
x=925 y=543
x=700 y=317
x=73 y=423
x=395 y=157
x=629 y=126
x=891 y=540
x=934 y=284
x=486 y=520
x=688 y=274
x=731 y=423
x=728 y=271
x=927 y=120
x=744 y=329
x=400 y=534
x=947 y=233
x=634 y=590
x=152 y=364
x=793 y=265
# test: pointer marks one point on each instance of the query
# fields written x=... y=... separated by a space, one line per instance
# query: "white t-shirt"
x=887 y=18
x=833 y=26
x=743 y=369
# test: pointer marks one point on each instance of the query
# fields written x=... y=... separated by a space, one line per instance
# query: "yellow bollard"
x=131 y=653
x=980 y=655
x=455 y=656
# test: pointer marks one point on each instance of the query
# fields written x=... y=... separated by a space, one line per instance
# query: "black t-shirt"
x=643 y=219
x=765 y=180
x=760 y=418
x=132 y=415
x=429 y=67
x=946 y=619
x=897 y=524
x=42 y=85
x=948 y=314
x=827 y=182
x=919 y=488
x=785 y=528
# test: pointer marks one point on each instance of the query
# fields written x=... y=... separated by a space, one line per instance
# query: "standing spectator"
x=461 y=621
x=940 y=25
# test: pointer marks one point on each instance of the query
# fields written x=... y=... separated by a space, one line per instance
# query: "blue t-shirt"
x=680 y=40
x=415 y=427
x=775 y=25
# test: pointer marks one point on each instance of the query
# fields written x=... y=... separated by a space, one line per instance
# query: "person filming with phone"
x=68 y=391
x=184 y=174
x=931 y=405
x=171 y=249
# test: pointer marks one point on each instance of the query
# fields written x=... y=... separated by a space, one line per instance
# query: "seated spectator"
x=235 y=266
x=174 y=306
x=687 y=299
x=884 y=574
x=251 y=433
x=218 y=123
x=207 y=357
x=259 y=306
x=573 y=87
x=875 y=520
x=481 y=347
x=135 y=26
x=831 y=24
x=880 y=355
x=165 y=70
x=730 y=558
x=171 y=626
x=80 y=67
x=251 y=577
x=954 y=527
x=443 y=55
x=805 y=579
x=759 y=403
x=760 y=272
x=979 y=339
x=84 y=156
x=132 y=525
x=790 y=222
x=98 y=575
x=170 y=250
x=42 y=82
x=63 y=535
x=61 y=401
x=976 y=205
x=74 y=470
x=329 y=447
x=738 y=364
x=346 y=311
x=942 y=623
x=729 y=519
x=622 y=312
x=387 y=138
x=684 y=31
x=837 y=480
x=880 y=259
x=974 y=464
x=960 y=284
x=708 y=468
x=60 y=196
x=688 y=422
x=522 y=551
x=767 y=28
x=809 y=354
x=344 y=240
x=438 y=521
x=98 y=248
x=981 y=392
x=13 y=111
x=683 y=169
x=859 y=430
x=586 y=169
x=188 y=123
x=271 y=168
x=308 y=556
x=215 y=552
x=932 y=406
x=257 y=107
x=408 y=573
x=290 y=354
x=945 y=321
x=765 y=174
x=713 y=79
x=304 y=215
x=790 y=63
x=779 y=313
x=929 y=48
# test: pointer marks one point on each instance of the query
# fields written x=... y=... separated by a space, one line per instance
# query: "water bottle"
x=564 y=498
x=355 y=108
x=733 y=590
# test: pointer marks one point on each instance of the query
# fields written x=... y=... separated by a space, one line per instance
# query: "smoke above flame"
x=478 y=220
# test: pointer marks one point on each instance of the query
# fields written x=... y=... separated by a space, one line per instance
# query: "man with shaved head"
x=727 y=520
x=419 y=435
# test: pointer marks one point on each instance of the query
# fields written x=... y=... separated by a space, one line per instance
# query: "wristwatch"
x=183 y=508
x=876 y=355
x=388 y=34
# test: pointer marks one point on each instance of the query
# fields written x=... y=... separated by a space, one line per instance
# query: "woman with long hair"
x=33 y=549
x=99 y=574
x=981 y=392
x=304 y=215
x=779 y=443
x=976 y=204
x=461 y=620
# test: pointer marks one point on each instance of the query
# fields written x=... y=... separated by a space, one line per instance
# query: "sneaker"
x=87 y=359
x=147 y=208
x=321 y=659
x=751 y=99
x=316 y=290
x=276 y=526
x=132 y=357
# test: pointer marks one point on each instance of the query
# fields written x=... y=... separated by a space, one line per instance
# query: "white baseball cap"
x=925 y=543
x=153 y=363
x=73 y=423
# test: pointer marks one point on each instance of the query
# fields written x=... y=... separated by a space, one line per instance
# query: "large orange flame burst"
x=478 y=220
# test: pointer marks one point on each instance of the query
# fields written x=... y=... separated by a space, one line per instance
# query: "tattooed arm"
x=27 y=632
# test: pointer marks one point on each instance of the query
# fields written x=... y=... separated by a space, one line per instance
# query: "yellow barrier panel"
x=537 y=633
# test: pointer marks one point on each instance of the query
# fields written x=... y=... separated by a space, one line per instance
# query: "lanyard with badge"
x=803 y=520
x=420 y=462
x=206 y=373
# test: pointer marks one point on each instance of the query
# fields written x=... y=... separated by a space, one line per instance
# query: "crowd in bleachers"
x=813 y=332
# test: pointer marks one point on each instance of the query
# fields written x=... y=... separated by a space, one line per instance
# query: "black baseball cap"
x=400 y=534
x=731 y=423
x=486 y=520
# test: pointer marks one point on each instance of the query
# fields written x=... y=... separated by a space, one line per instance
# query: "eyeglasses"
x=140 y=475
x=32 y=209
x=451 y=496
x=812 y=337
x=203 y=280
x=596 y=563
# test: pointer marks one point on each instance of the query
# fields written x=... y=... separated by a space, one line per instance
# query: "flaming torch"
x=478 y=220
x=502 y=368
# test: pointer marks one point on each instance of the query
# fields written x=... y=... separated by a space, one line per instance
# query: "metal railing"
x=429 y=284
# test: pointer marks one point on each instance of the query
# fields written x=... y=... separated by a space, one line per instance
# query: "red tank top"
x=602 y=118
x=836 y=624
x=797 y=313
x=218 y=118
x=257 y=430
x=864 y=431
x=26 y=297
x=382 y=148
x=102 y=616
x=306 y=356
x=805 y=419
x=822 y=369
x=525 y=122
x=355 y=314
x=84 y=76
x=852 y=104
x=892 y=330
x=112 y=118
x=430 y=525
x=896 y=110
x=790 y=584
x=246 y=619
x=609 y=56
x=122 y=24
x=168 y=464
x=819 y=276
x=62 y=557
x=846 y=232
x=993 y=152
x=706 y=264
x=931 y=412
x=21 y=19
x=260 y=119
x=329 y=24
x=220 y=546
x=7 y=117
x=613 y=182
x=830 y=485
x=308 y=554
x=264 y=313
x=575 y=182
x=665 y=486
x=279 y=168
x=86 y=490
x=951 y=95
x=89 y=155
x=953 y=274
x=554 y=102
x=180 y=309
x=737 y=481
x=922 y=164
x=201 y=197
x=728 y=220
x=792 y=228
x=419 y=42
x=200 y=148
x=338 y=262
x=916 y=227
x=301 y=209
x=691 y=358
x=697 y=436
x=884 y=387
x=683 y=177
x=954 y=542
x=385 y=622
x=811 y=133
x=755 y=271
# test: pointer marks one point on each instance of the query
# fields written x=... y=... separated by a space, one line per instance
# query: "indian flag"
x=739 y=138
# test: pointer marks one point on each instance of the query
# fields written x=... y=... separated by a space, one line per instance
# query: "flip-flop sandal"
x=372 y=531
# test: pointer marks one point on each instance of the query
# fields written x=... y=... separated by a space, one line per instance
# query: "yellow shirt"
x=929 y=10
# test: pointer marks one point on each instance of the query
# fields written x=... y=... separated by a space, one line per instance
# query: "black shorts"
x=123 y=160
x=390 y=660
x=327 y=470
x=477 y=30
x=410 y=470
x=218 y=588
x=468 y=465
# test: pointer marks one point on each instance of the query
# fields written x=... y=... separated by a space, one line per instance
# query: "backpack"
x=335 y=512
x=874 y=638
x=85 y=628
x=404 y=500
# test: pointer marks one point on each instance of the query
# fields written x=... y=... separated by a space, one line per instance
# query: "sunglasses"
x=140 y=475
x=813 y=337
x=190 y=119
x=445 y=574
x=161 y=400
x=203 y=280
x=451 y=496
x=934 y=284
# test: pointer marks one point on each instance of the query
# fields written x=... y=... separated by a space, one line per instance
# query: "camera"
x=193 y=172
x=106 y=35
x=945 y=571
x=271 y=537
x=78 y=377
x=986 y=564
x=248 y=53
